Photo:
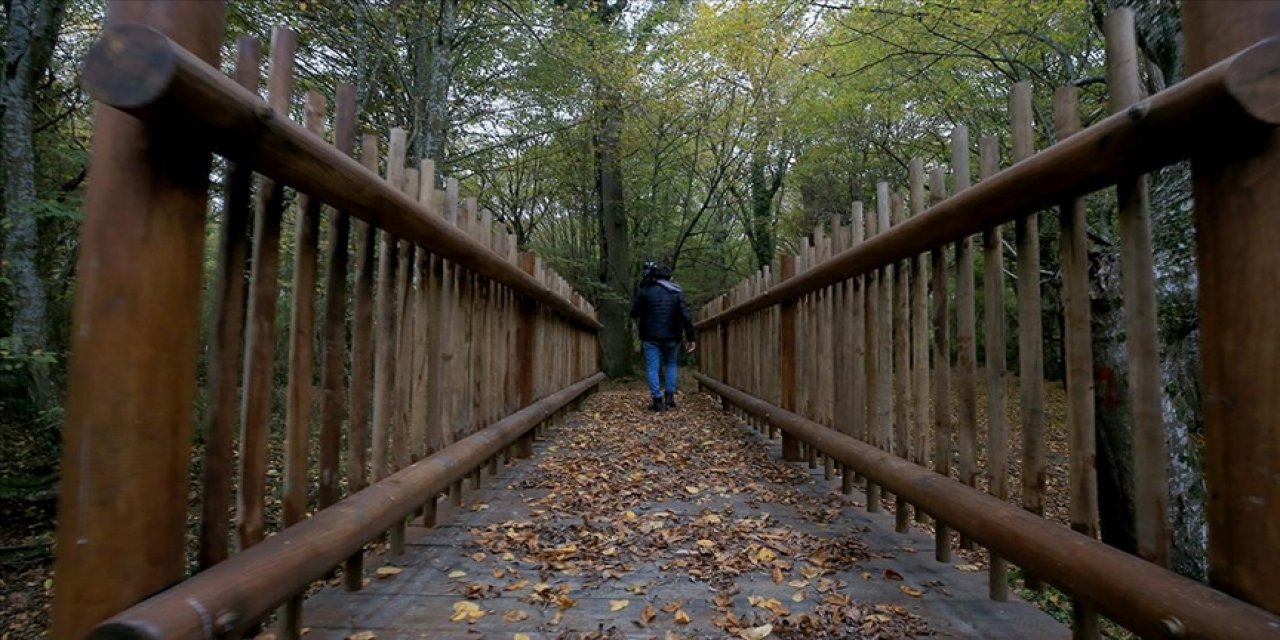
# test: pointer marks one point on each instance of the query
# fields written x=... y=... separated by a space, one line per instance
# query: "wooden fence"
x=441 y=347
x=847 y=347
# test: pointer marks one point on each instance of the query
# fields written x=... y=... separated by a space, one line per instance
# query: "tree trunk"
x=762 y=240
x=438 y=81
x=1114 y=436
x=32 y=30
x=615 y=264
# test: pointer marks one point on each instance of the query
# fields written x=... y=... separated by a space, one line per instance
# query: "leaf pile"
x=619 y=489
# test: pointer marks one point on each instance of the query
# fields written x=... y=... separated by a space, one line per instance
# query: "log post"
x=1237 y=233
x=131 y=382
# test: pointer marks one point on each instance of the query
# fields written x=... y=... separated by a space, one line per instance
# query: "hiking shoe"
x=670 y=400
x=657 y=405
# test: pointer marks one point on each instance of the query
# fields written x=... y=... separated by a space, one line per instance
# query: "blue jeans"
x=660 y=354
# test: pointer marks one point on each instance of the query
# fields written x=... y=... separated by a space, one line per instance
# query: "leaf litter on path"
x=619 y=490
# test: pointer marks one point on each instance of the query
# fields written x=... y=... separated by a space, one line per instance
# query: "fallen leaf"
x=890 y=574
x=673 y=606
x=648 y=614
x=521 y=636
x=515 y=615
x=798 y=584
x=618 y=605
x=692 y=490
x=682 y=617
x=386 y=571
x=362 y=635
x=756 y=633
x=911 y=591
x=797 y=596
x=968 y=567
x=457 y=574
x=466 y=611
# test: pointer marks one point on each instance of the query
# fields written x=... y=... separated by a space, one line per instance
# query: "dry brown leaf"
x=618 y=605
x=386 y=571
x=520 y=636
x=362 y=635
x=648 y=614
x=673 y=606
x=682 y=617
x=797 y=596
x=515 y=615
x=911 y=591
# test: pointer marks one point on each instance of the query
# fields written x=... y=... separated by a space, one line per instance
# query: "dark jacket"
x=661 y=312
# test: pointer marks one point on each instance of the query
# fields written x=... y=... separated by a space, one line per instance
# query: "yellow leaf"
x=265 y=636
x=466 y=611
x=797 y=596
x=618 y=605
x=911 y=591
x=521 y=636
x=457 y=574
x=798 y=584
x=682 y=617
x=756 y=633
x=866 y=575
x=515 y=615
x=692 y=490
x=387 y=571
x=478 y=557
x=706 y=544
x=629 y=515
x=362 y=635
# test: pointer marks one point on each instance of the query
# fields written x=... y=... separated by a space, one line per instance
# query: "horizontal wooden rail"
x=1151 y=601
x=138 y=70
x=1230 y=101
x=230 y=596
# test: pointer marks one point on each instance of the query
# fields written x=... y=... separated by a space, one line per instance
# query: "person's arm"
x=689 y=331
x=636 y=304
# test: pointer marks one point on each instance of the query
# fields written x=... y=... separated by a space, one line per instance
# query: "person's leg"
x=652 y=358
x=670 y=355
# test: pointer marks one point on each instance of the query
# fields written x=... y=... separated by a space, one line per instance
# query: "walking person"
x=661 y=313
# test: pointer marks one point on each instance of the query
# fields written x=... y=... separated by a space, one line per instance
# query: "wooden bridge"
x=448 y=357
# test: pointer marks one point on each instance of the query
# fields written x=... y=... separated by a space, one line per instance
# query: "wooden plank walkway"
x=683 y=524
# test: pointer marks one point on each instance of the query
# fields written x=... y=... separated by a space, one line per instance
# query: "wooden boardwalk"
x=674 y=525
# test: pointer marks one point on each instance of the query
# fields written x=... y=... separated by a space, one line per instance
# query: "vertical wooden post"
x=302 y=329
x=902 y=403
x=941 y=368
x=787 y=355
x=225 y=352
x=131 y=382
x=260 y=339
x=919 y=330
x=1074 y=250
x=527 y=350
x=384 y=368
x=361 y=363
x=858 y=320
x=1237 y=235
x=966 y=330
x=335 y=314
x=997 y=404
x=1137 y=280
x=1033 y=447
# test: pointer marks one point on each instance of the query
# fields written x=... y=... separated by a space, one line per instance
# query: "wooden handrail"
x=1231 y=100
x=138 y=70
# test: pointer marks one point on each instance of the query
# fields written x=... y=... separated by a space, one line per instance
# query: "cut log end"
x=130 y=66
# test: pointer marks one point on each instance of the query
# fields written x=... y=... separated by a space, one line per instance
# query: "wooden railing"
x=846 y=348
x=442 y=347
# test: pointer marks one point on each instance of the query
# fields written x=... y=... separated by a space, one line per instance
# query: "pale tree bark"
x=32 y=31
x=439 y=74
